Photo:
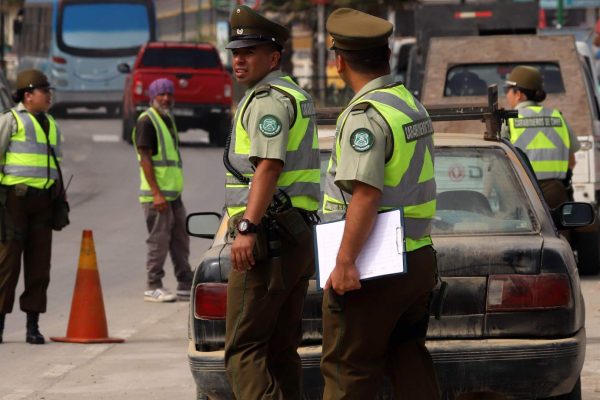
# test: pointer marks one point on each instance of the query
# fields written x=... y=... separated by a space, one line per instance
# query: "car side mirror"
x=203 y=225
x=124 y=68
x=573 y=215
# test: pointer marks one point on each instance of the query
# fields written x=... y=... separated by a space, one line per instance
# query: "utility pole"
x=560 y=18
x=2 y=38
x=183 y=20
x=321 y=51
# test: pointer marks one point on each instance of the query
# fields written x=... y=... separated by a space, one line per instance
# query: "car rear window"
x=479 y=192
x=473 y=79
x=180 y=58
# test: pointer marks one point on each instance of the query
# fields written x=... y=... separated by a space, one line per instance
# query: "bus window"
x=121 y=26
x=180 y=58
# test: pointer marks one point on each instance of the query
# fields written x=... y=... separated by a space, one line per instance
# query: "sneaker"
x=160 y=295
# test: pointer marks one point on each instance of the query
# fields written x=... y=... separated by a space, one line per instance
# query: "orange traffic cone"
x=87 y=322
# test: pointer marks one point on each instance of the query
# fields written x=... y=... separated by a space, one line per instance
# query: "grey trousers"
x=167 y=234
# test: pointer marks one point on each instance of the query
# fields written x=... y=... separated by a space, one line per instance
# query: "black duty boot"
x=33 y=334
x=1 y=325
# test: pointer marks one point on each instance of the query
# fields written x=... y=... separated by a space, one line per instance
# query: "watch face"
x=243 y=226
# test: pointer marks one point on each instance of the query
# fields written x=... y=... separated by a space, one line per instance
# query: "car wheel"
x=127 y=128
x=218 y=130
x=575 y=394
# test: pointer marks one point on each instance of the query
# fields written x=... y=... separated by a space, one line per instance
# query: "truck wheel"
x=127 y=128
x=218 y=130
x=587 y=243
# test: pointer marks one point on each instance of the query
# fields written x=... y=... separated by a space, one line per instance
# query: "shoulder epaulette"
x=262 y=90
x=361 y=107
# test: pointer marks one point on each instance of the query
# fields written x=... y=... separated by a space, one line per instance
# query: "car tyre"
x=218 y=130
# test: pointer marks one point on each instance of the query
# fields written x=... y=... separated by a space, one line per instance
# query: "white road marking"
x=58 y=370
x=17 y=394
x=125 y=333
x=105 y=138
x=94 y=349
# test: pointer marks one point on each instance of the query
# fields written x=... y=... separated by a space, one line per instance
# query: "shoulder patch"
x=262 y=90
x=269 y=126
x=362 y=140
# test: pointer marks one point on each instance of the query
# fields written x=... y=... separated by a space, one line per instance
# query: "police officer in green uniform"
x=382 y=159
x=272 y=193
x=541 y=132
x=28 y=135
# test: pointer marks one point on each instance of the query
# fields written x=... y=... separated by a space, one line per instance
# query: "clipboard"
x=384 y=252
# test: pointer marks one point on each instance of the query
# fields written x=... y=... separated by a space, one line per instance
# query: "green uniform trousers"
x=380 y=329
x=263 y=329
x=554 y=191
x=30 y=238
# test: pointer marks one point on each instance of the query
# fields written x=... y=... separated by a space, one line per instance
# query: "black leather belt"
x=22 y=190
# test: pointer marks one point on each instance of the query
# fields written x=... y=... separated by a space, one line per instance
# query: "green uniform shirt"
x=271 y=104
x=367 y=166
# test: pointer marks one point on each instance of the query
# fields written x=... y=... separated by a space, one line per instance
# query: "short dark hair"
x=19 y=95
x=375 y=60
x=534 y=95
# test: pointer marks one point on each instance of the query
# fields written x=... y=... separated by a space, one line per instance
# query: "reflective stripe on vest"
x=28 y=159
x=409 y=176
x=300 y=177
x=166 y=162
x=543 y=135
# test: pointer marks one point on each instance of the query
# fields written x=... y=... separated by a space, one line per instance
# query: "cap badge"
x=238 y=11
x=240 y=31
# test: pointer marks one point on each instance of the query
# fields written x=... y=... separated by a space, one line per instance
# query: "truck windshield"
x=104 y=26
x=473 y=79
x=180 y=58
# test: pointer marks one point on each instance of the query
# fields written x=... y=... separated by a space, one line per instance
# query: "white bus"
x=78 y=44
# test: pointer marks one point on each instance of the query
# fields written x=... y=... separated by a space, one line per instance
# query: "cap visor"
x=239 y=44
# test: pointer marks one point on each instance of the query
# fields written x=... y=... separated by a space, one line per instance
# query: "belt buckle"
x=20 y=190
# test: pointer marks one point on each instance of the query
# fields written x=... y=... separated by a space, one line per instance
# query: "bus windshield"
x=104 y=26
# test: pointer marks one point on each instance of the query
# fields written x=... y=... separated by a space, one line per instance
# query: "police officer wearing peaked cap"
x=28 y=138
x=274 y=148
x=550 y=145
x=382 y=159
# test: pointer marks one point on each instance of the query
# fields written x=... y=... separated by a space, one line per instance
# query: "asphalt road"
x=151 y=363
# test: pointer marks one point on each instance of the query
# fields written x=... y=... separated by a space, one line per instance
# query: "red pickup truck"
x=203 y=88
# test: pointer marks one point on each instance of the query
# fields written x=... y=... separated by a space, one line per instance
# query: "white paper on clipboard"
x=382 y=254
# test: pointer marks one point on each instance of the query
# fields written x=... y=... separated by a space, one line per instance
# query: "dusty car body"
x=512 y=323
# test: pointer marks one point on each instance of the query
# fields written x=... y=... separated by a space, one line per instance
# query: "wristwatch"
x=245 y=226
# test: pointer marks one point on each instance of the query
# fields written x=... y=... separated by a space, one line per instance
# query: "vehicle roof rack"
x=490 y=114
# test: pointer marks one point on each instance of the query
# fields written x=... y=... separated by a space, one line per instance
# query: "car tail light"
x=59 y=60
x=210 y=301
x=227 y=91
x=472 y=14
x=139 y=88
x=527 y=292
